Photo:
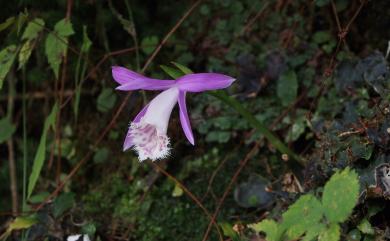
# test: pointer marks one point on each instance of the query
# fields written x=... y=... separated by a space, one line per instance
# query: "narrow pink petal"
x=185 y=121
x=128 y=140
x=130 y=80
x=204 y=81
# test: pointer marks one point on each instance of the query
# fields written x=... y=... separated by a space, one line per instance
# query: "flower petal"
x=204 y=81
x=128 y=140
x=130 y=80
x=185 y=121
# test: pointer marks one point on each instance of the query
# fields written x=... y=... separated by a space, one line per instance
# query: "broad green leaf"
x=8 y=22
x=148 y=44
x=313 y=231
x=305 y=212
x=7 y=57
x=41 y=151
x=7 y=129
x=106 y=100
x=25 y=53
x=18 y=224
x=39 y=197
x=269 y=227
x=332 y=233
x=340 y=195
x=64 y=28
x=63 y=203
x=33 y=28
x=365 y=227
x=287 y=87
x=174 y=73
x=56 y=44
x=183 y=68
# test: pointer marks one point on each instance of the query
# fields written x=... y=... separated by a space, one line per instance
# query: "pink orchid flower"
x=147 y=133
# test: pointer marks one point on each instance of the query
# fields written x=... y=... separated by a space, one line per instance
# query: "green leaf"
x=177 y=191
x=7 y=129
x=64 y=28
x=321 y=37
x=89 y=229
x=25 y=53
x=33 y=28
x=148 y=44
x=313 y=231
x=39 y=198
x=8 y=22
x=7 y=57
x=174 y=73
x=332 y=233
x=228 y=231
x=287 y=87
x=365 y=227
x=269 y=227
x=56 y=44
x=101 y=155
x=41 y=151
x=337 y=205
x=106 y=100
x=300 y=216
x=183 y=68
x=297 y=129
x=63 y=203
x=87 y=43
x=19 y=223
x=81 y=68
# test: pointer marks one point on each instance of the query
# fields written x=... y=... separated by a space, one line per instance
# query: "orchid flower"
x=147 y=133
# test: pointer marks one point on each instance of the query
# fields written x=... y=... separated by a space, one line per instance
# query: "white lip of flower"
x=149 y=135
